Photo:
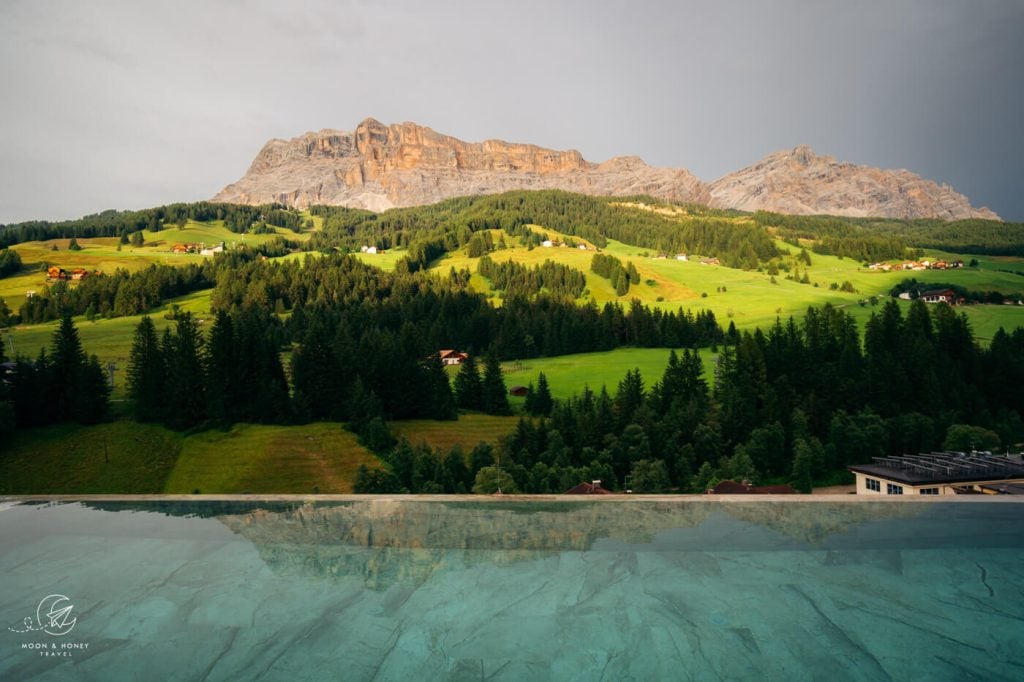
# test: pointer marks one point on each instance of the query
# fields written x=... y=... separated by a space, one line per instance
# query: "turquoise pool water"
x=403 y=589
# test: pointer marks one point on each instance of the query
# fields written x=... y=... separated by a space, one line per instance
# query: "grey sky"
x=129 y=104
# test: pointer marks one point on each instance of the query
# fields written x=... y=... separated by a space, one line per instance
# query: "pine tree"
x=146 y=378
x=440 y=404
x=186 y=400
x=542 y=401
x=469 y=390
x=621 y=282
x=628 y=397
x=67 y=359
x=495 y=395
x=632 y=273
x=222 y=371
x=94 y=392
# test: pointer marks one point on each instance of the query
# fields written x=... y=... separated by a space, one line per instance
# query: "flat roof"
x=944 y=467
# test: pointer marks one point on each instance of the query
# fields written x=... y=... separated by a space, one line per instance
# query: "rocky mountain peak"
x=799 y=182
x=803 y=154
x=380 y=166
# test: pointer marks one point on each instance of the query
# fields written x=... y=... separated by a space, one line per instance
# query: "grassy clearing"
x=126 y=457
x=213 y=232
x=568 y=374
x=385 y=261
x=269 y=459
x=469 y=430
x=119 y=457
x=110 y=340
x=101 y=253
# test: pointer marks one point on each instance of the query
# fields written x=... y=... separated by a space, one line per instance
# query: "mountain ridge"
x=378 y=166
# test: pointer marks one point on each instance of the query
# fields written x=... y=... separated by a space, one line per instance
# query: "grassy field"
x=119 y=457
x=253 y=458
x=567 y=375
x=469 y=430
x=385 y=261
x=126 y=457
x=748 y=298
x=110 y=340
x=100 y=253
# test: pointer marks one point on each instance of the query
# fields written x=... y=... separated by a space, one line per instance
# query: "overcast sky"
x=130 y=104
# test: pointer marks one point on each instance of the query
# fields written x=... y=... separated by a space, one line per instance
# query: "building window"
x=872 y=484
x=892 y=489
x=929 y=491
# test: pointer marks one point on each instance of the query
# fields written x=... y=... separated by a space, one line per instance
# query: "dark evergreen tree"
x=223 y=376
x=469 y=389
x=495 y=395
x=438 y=401
x=146 y=374
x=186 y=394
x=629 y=397
x=542 y=401
x=67 y=360
x=92 y=382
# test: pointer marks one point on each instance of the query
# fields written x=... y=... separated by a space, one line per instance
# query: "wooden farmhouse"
x=939 y=296
x=452 y=357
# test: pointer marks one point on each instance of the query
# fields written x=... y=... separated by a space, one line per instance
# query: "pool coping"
x=567 y=499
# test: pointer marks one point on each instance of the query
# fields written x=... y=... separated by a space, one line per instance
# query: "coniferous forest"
x=329 y=338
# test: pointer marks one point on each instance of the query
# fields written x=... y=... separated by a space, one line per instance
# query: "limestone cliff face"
x=799 y=182
x=377 y=166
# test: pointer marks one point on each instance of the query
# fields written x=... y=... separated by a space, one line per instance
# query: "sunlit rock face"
x=799 y=182
x=379 y=166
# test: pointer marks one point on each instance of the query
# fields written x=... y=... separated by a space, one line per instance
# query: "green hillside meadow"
x=123 y=456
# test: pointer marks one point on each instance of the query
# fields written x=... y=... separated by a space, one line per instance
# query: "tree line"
x=62 y=384
x=443 y=313
x=796 y=403
x=429 y=231
x=237 y=217
x=117 y=294
x=612 y=269
x=875 y=239
x=517 y=280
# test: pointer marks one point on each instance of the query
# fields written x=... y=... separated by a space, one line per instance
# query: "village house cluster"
x=918 y=265
x=55 y=273
x=682 y=257
x=201 y=249
x=554 y=243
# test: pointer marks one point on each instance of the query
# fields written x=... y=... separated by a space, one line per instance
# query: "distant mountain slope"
x=799 y=182
x=380 y=167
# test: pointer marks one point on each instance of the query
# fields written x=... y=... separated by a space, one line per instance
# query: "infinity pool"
x=467 y=589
